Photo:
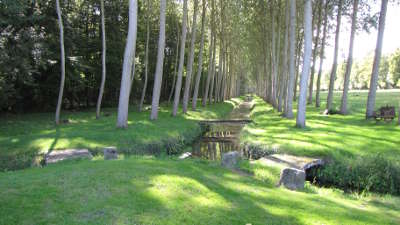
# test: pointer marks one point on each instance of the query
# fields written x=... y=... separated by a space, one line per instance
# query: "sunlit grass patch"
x=30 y=134
x=349 y=135
x=148 y=190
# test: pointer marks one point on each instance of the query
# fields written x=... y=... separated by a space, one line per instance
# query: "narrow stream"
x=222 y=137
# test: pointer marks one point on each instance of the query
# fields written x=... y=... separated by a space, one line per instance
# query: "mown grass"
x=161 y=190
x=335 y=136
x=24 y=136
x=140 y=190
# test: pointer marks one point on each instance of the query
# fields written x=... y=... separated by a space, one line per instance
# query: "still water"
x=222 y=137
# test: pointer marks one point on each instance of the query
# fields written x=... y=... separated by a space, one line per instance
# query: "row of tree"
x=257 y=45
x=298 y=33
x=30 y=52
x=223 y=81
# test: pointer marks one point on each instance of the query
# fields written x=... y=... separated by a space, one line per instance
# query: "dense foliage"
x=371 y=173
x=245 y=34
x=29 y=52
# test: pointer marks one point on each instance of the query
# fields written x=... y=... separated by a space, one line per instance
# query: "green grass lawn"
x=163 y=190
x=334 y=135
x=139 y=190
x=24 y=136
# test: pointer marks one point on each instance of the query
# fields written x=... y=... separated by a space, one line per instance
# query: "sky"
x=364 y=42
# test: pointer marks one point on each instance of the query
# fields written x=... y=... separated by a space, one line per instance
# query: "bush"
x=363 y=174
x=19 y=161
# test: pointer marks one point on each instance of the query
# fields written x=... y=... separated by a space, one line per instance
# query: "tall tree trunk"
x=210 y=97
x=175 y=67
x=301 y=105
x=191 y=59
x=160 y=63
x=278 y=55
x=273 y=60
x=225 y=74
x=146 y=57
x=398 y=122
x=210 y=65
x=335 y=56
x=178 y=85
x=343 y=106
x=377 y=59
x=103 y=74
x=314 y=57
x=321 y=56
x=200 y=64
x=62 y=81
x=129 y=55
x=219 y=74
x=297 y=64
x=283 y=83
x=292 y=47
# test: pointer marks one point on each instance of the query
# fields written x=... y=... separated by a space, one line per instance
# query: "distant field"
x=334 y=135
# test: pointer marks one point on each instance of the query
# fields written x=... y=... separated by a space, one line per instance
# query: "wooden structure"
x=386 y=113
x=228 y=121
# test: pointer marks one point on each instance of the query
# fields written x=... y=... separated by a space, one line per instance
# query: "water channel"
x=223 y=135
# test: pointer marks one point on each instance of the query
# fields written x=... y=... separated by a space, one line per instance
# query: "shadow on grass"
x=335 y=135
x=31 y=134
x=149 y=191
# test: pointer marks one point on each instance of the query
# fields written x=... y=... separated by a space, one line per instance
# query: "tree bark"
x=191 y=59
x=129 y=55
x=210 y=65
x=273 y=60
x=103 y=74
x=335 y=56
x=314 y=57
x=213 y=71
x=62 y=81
x=178 y=85
x=377 y=59
x=301 y=105
x=219 y=76
x=160 y=63
x=175 y=67
x=283 y=83
x=292 y=47
x=343 y=106
x=297 y=64
x=146 y=57
x=200 y=64
x=321 y=56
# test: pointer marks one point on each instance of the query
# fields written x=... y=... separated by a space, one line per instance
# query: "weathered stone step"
x=57 y=156
x=297 y=162
x=293 y=174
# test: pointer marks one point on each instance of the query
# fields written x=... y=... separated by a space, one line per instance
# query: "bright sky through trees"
x=365 y=43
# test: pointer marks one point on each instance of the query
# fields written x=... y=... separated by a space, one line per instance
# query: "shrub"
x=372 y=173
x=18 y=161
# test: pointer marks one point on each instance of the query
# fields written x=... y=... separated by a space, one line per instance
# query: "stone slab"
x=230 y=159
x=293 y=168
x=110 y=153
x=297 y=162
x=292 y=178
x=185 y=155
x=58 y=156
